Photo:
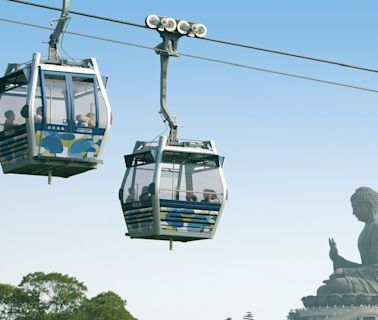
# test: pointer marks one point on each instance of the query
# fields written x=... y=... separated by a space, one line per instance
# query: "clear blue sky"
x=295 y=152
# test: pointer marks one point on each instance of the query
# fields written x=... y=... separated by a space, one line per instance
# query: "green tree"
x=57 y=293
x=107 y=305
x=55 y=296
x=17 y=304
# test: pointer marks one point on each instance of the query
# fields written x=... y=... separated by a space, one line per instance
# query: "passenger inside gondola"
x=190 y=196
x=132 y=195
x=210 y=196
x=91 y=119
x=82 y=121
x=10 y=119
x=214 y=198
x=145 y=196
x=38 y=115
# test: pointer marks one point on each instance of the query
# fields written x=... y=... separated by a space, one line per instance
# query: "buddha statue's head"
x=365 y=204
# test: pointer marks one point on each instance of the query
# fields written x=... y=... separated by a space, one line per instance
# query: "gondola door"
x=52 y=119
x=68 y=124
x=86 y=126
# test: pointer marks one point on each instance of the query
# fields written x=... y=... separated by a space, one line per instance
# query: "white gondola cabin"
x=173 y=191
x=54 y=117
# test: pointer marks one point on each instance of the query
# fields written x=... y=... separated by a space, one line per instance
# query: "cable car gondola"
x=54 y=114
x=175 y=189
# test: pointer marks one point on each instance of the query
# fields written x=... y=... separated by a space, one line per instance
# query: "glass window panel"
x=11 y=104
x=168 y=178
x=190 y=177
x=38 y=109
x=84 y=102
x=56 y=99
x=173 y=181
x=207 y=183
x=138 y=186
x=102 y=110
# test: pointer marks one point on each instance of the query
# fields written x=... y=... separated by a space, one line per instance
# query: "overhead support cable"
x=230 y=43
x=235 y=64
x=83 y=14
x=278 y=72
x=292 y=55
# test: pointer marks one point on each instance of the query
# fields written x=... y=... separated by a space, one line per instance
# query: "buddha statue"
x=351 y=282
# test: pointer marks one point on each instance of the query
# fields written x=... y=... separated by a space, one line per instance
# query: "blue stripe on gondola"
x=15 y=131
x=63 y=128
x=136 y=205
x=189 y=205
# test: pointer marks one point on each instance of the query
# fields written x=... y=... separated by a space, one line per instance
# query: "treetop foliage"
x=55 y=296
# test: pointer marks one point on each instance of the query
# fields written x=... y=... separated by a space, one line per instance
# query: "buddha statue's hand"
x=333 y=253
x=339 y=273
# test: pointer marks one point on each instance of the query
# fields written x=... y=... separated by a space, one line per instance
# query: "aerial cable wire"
x=293 y=55
x=199 y=57
x=230 y=43
x=278 y=72
x=77 y=34
x=61 y=41
x=88 y=15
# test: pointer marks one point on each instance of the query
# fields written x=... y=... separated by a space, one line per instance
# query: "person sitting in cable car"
x=132 y=197
x=190 y=196
x=90 y=117
x=10 y=120
x=82 y=121
x=210 y=196
x=146 y=195
x=38 y=115
x=214 y=198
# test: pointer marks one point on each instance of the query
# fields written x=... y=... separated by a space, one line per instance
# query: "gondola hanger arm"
x=171 y=30
x=166 y=49
x=54 y=37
